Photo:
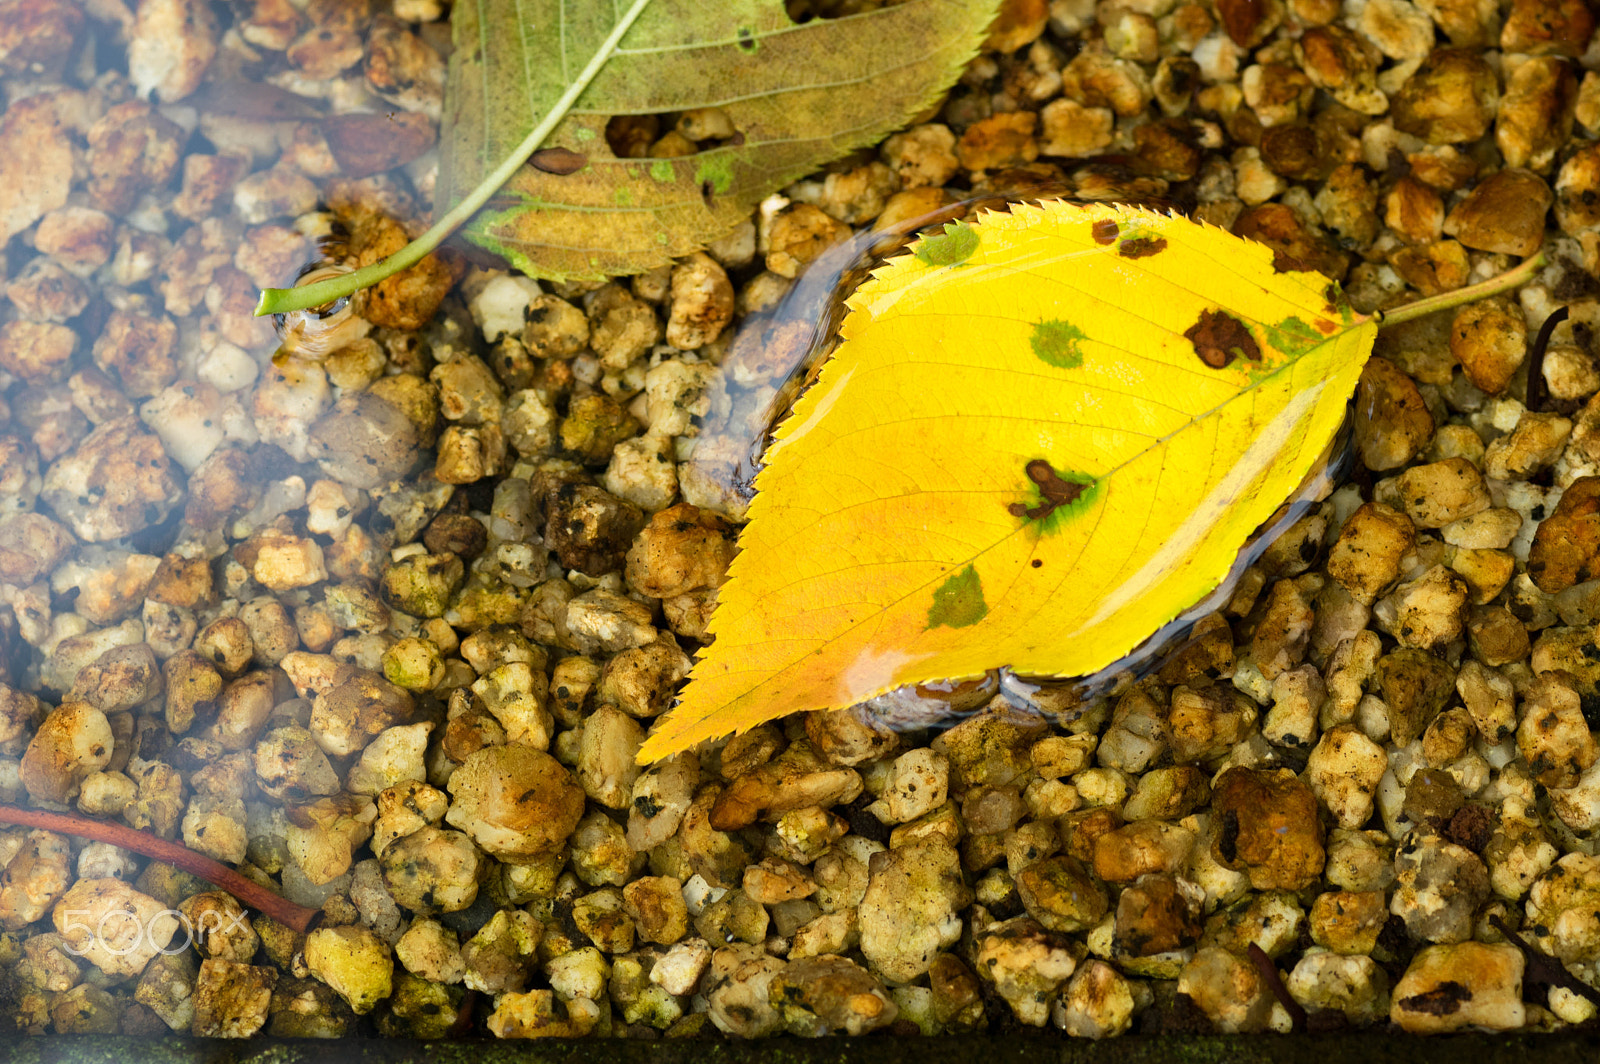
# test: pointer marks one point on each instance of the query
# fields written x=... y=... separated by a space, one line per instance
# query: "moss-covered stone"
x=355 y=962
x=422 y=584
x=420 y=1009
x=593 y=427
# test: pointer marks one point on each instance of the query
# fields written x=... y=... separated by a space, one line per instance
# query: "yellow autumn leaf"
x=1044 y=436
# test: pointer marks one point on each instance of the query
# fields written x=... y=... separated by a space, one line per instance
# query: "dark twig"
x=1274 y=981
x=1536 y=394
x=1545 y=968
x=175 y=854
x=463 y=1021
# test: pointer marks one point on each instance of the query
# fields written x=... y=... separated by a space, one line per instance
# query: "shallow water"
x=169 y=257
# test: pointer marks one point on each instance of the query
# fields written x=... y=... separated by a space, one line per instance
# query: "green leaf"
x=798 y=95
x=279 y=300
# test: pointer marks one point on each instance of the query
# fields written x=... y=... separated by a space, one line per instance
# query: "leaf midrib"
x=1155 y=441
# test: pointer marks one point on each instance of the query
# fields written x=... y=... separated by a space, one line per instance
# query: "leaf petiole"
x=280 y=300
x=1504 y=282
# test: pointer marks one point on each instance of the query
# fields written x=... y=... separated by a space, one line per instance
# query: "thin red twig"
x=175 y=854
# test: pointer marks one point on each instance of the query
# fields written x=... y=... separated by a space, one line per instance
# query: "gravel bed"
x=379 y=610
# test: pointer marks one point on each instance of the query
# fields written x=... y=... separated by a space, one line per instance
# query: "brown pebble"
x=1294 y=246
x=459 y=534
x=1392 y=422
x=1566 y=543
x=1450 y=99
x=1490 y=339
x=1268 y=826
x=1505 y=213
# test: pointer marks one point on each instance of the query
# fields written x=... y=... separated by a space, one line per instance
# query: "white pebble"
x=502 y=306
x=227 y=368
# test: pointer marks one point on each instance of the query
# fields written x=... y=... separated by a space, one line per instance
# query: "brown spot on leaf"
x=1056 y=491
x=558 y=161
x=1141 y=246
x=1219 y=338
x=1104 y=231
x=1325 y=327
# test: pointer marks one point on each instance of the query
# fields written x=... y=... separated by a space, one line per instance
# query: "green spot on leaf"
x=661 y=170
x=622 y=197
x=584 y=133
x=959 y=601
x=718 y=170
x=1293 y=336
x=1056 y=343
x=950 y=248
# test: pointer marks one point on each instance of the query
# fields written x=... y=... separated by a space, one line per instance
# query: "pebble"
x=1098 y=1002
x=1392 y=422
x=1559 y=903
x=819 y=996
x=1450 y=99
x=1227 y=989
x=354 y=961
x=37 y=873
x=33 y=141
x=1026 y=965
x=1448 y=987
x=73 y=741
x=231 y=999
x=92 y=918
x=1535 y=116
x=1505 y=213
x=515 y=801
x=115 y=482
x=1567 y=540
x=1269 y=828
x=1438 y=887
x=909 y=910
x=1343 y=771
x=1438 y=493
x=432 y=871
x=1351 y=985
x=356 y=706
